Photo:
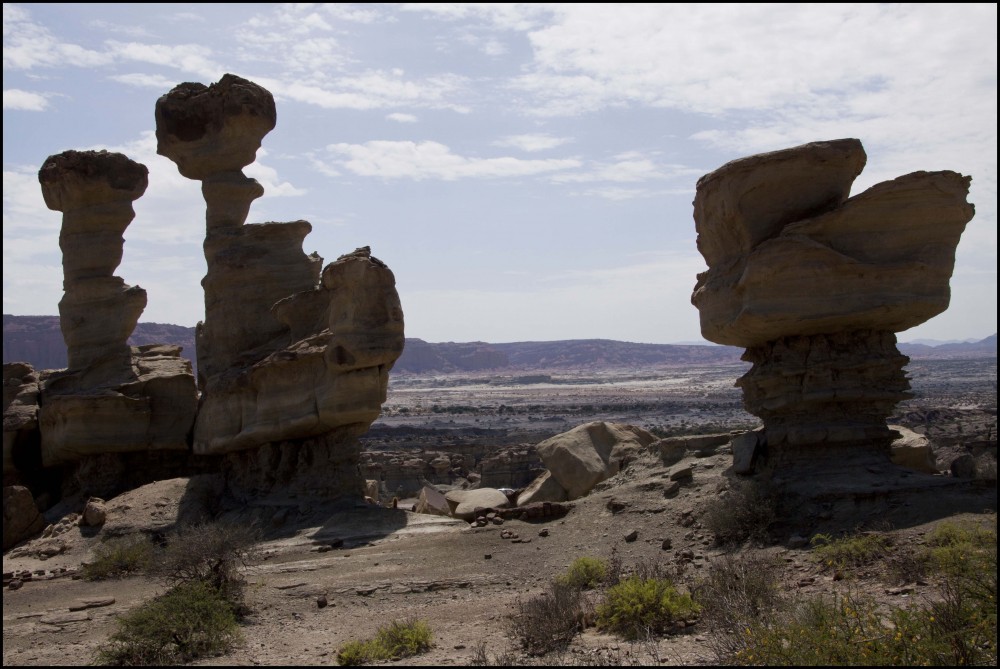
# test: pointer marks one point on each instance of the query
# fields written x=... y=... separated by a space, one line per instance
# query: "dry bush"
x=738 y=592
x=211 y=552
x=549 y=621
x=744 y=512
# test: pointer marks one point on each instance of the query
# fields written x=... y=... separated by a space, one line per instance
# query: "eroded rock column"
x=293 y=361
x=113 y=399
x=815 y=284
x=98 y=311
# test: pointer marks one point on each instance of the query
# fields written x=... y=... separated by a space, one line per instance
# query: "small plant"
x=637 y=606
x=737 y=593
x=395 y=642
x=745 y=512
x=190 y=621
x=120 y=556
x=584 y=573
x=852 y=630
x=856 y=550
x=549 y=621
x=211 y=552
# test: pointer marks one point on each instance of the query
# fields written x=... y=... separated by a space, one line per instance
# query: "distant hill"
x=975 y=349
x=38 y=341
x=420 y=356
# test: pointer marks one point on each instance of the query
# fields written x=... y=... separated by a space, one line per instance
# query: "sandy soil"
x=464 y=581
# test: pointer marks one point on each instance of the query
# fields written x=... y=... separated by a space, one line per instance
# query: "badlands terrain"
x=375 y=565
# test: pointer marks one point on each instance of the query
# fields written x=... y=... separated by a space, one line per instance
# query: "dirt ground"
x=465 y=582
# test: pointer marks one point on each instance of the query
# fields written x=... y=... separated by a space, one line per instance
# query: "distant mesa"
x=815 y=284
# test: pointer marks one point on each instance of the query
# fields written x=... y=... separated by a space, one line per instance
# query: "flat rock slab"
x=64 y=618
x=94 y=603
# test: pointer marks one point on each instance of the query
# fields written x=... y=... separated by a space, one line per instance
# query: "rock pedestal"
x=113 y=398
x=293 y=358
x=814 y=285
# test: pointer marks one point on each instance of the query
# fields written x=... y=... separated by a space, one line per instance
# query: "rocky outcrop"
x=21 y=519
x=588 y=454
x=815 y=284
x=293 y=358
x=112 y=398
x=21 y=439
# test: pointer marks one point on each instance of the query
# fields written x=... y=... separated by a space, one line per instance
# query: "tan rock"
x=913 y=451
x=20 y=417
x=433 y=502
x=814 y=285
x=21 y=519
x=113 y=398
x=543 y=489
x=95 y=512
x=586 y=455
x=464 y=503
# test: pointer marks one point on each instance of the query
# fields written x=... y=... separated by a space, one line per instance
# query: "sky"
x=526 y=171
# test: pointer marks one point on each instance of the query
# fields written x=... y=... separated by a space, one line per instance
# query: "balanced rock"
x=815 y=284
x=586 y=455
x=293 y=357
x=113 y=398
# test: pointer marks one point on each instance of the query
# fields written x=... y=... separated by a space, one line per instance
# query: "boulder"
x=913 y=451
x=673 y=449
x=433 y=502
x=586 y=455
x=21 y=519
x=464 y=503
x=95 y=512
x=543 y=489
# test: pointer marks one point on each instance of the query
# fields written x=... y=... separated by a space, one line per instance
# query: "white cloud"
x=27 y=45
x=374 y=89
x=537 y=142
x=191 y=58
x=15 y=98
x=432 y=160
x=399 y=117
x=502 y=16
x=143 y=80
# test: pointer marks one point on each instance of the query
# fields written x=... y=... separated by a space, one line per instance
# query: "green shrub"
x=638 y=606
x=549 y=621
x=851 y=630
x=190 y=621
x=120 y=556
x=855 y=550
x=397 y=641
x=584 y=573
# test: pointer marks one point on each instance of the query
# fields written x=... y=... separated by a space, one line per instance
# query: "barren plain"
x=375 y=565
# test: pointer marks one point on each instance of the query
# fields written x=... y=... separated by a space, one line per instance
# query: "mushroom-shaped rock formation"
x=293 y=358
x=113 y=398
x=814 y=285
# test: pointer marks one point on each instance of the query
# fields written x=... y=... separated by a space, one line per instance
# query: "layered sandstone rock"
x=113 y=398
x=815 y=284
x=21 y=439
x=293 y=358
